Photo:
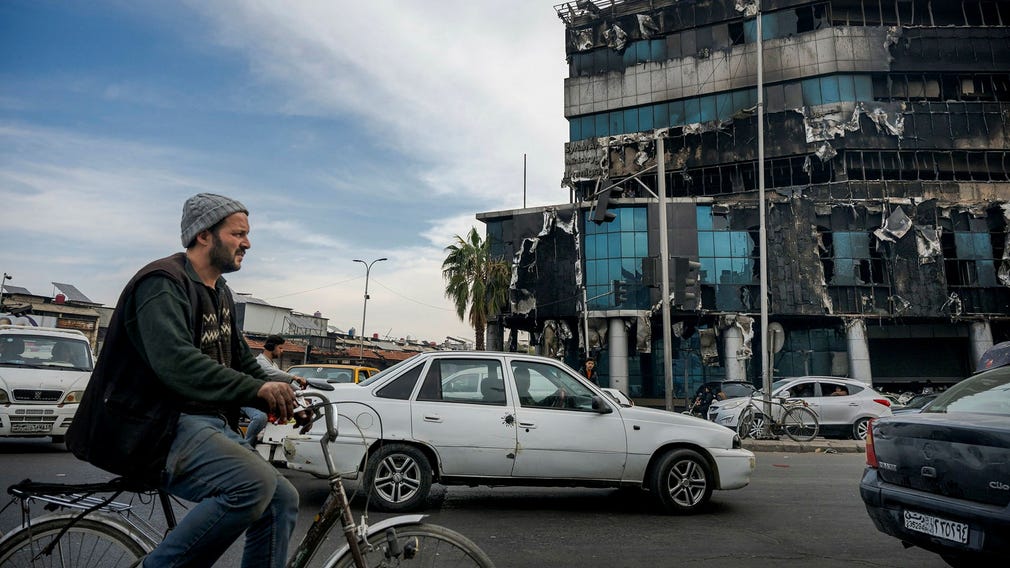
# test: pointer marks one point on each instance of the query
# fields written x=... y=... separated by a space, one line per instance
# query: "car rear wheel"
x=682 y=481
x=859 y=429
x=398 y=477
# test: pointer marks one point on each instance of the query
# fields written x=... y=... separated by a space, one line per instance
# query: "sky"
x=350 y=130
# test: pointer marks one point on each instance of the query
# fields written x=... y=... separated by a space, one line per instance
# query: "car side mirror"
x=600 y=406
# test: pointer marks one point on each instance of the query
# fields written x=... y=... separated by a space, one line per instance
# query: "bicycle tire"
x=434 y=545
x=92 y=542
x=800 y=424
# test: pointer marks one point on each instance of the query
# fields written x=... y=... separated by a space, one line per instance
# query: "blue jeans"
x=236 y=491
x=257 y=422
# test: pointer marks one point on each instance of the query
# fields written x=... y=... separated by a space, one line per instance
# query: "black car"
x=940 y=479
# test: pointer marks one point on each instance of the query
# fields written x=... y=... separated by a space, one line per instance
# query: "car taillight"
x=883 y=401
x=871 y=454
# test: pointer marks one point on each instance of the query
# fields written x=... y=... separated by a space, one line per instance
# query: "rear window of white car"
x=476 y=381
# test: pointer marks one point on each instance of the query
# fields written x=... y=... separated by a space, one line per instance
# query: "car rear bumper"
x=735 y=467
x=989 y=525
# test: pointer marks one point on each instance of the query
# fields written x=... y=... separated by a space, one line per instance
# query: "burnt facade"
x=887 y=174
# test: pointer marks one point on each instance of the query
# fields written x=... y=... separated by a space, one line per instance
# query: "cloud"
x=460 y=86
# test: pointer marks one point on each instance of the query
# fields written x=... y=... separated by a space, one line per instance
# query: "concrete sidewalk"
x=784 y=444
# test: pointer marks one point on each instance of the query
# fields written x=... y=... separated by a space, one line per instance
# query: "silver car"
x=486 y=418
x=844 y=407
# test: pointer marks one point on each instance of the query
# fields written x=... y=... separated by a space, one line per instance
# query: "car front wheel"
x=682 y=481
x=859 y=429
x=398 y=477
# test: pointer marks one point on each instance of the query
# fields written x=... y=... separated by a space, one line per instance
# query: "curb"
x=818 y=445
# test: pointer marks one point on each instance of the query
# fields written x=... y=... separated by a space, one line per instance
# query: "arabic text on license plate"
x=30 y=428
x=950 y=530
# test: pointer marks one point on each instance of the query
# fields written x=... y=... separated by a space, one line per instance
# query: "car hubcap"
x=687 y=483
x=756 y=426
x=861 y=428
x=397 y=478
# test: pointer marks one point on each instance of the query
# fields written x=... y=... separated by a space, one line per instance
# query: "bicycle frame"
x=82 y=500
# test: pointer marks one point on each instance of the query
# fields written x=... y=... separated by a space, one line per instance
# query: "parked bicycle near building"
x=89 y=529
x=791 y=417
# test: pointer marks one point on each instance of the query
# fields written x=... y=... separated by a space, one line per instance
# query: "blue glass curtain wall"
x=614 y=251
x=721 y=106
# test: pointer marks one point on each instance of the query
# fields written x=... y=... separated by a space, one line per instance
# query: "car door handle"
x=527 y=424
x=432 y=418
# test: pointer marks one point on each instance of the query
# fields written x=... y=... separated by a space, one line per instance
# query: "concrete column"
x=732 y=342
x=981 y=339
x=859 y=350
x=618 y=347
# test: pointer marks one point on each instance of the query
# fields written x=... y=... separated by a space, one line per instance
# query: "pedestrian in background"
x=163 y=402
x=268 y=359
x=589 y=370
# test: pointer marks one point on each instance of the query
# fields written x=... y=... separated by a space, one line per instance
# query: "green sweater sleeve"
x=159 y=325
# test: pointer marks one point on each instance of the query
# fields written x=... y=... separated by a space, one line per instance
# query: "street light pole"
x=2 y=283
x=368 y=269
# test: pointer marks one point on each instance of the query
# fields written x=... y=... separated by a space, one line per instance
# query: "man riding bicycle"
x=163 y=401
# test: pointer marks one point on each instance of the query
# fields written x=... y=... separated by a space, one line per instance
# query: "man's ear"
x=204 y=237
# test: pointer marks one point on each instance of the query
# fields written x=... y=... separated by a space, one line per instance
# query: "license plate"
x=935 y=526
x=30 y=428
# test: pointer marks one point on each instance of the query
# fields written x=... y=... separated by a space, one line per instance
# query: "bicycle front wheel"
x=800 y=424
x=419 y=544
x=89 y=543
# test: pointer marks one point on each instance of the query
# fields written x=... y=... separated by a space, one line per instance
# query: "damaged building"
x=887 y=181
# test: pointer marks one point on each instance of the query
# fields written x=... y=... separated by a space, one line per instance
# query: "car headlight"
x=4 y=399
x=73 y=397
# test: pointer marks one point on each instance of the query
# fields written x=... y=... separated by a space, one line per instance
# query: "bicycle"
x=90 y=530
x=795 y=419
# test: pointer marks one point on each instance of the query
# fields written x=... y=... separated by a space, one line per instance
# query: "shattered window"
x=969 y=256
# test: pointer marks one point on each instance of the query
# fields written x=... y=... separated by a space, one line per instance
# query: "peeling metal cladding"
x=745 y=324
x=792 y=244
x=747 y=8
x=927 y=240
x=643 y=335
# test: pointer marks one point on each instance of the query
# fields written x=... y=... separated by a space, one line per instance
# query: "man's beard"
x=221 y=258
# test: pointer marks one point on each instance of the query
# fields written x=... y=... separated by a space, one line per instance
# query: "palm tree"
x=476 y=279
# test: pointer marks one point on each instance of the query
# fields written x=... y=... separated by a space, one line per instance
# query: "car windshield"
x=775 y=387
x=920 y=400
x=331 y=374
x=985 y=393
x=35 y=351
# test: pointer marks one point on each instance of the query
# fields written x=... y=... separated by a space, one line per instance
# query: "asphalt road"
x=801 y=509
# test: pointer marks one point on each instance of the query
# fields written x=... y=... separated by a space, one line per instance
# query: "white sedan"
x=488 y=418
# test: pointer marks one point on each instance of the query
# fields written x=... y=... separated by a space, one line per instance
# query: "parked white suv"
x=43 y=373
x=844 y=406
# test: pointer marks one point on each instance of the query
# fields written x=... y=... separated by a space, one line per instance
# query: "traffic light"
x=620 y=292
x=600 y=213
x=685 y=282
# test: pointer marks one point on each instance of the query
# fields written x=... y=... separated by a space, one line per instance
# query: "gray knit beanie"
x=203 y=211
